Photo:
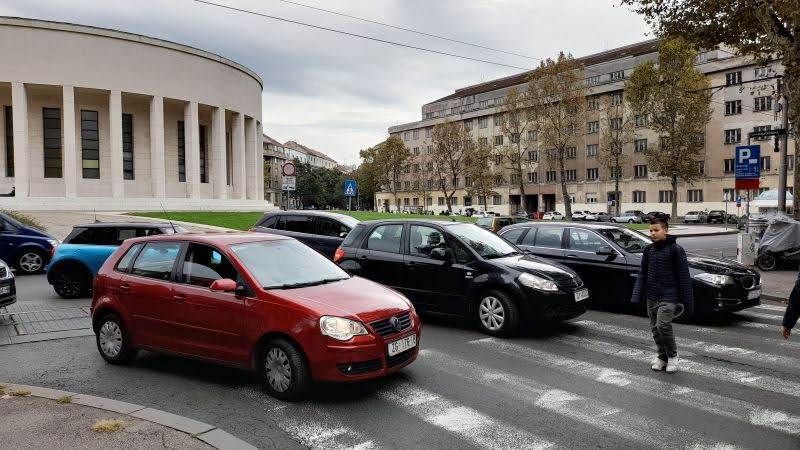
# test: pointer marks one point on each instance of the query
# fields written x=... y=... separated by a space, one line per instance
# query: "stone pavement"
x=30 y=322
x=777 y=285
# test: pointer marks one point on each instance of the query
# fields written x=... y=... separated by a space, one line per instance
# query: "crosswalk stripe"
x=741 y=377
x=460 y=420
x=758 y=315
x=774 y=339
x=755 y=356
x=705 y=401
x=780 y=309
x=633 y=427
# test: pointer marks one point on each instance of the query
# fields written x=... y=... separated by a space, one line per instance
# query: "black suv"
x=460 y=269
x=608 y=259
x=322 y=231
x=716 y=217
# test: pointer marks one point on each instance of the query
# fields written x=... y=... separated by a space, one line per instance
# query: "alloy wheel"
x=278 y=370
x=68 y=284
x=492 y=313
x=110 y=339
x=766 y=262
x=30 y=262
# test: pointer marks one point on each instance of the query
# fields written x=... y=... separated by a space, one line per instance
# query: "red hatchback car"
x=259 y=301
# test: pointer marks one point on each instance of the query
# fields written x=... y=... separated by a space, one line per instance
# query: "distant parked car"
x=8 y=290
x=553 y=215
x=649 y=217
x=579 y=215
x=24 y=248
x=629 y=217
x=695 y=217
x=716 y=216
x=76 y=261
x=496 y=223
x=322 y=231
x=598 y=216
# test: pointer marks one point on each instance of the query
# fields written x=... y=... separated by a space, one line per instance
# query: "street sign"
x=350 y=188
x=767 y=133
x=289 y=183
x=289 y=169
x=747 y=162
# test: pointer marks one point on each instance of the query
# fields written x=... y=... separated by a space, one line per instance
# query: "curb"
x=774 y=298
x=209 y=434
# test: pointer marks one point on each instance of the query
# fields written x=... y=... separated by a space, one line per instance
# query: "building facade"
x=308 y=155
x=92 y=118
x=743 y=101
x=274 y=157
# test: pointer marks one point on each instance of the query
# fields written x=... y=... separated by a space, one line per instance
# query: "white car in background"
x=628 y=217
x=579 y=215
x=696 y=217
x=597 y=216
x=553 y=215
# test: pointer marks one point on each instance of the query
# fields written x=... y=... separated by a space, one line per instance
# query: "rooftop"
x=297 y=146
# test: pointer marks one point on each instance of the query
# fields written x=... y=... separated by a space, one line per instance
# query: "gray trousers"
x=661 y=314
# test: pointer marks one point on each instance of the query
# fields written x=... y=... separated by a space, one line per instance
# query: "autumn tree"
x=420 y=184
x=673 y=95
x=518 y=119
x=617 y=133
x=477 y=169
x=368 y=175
x=451 y=142
x=391 y=157
x=557 y=97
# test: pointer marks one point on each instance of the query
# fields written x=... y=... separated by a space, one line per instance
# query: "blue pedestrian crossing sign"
x=350 y=188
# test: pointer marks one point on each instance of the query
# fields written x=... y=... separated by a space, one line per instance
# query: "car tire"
x=284 y=370
x=767 y=262
x=497 y=314
x=630 y=221
x=70 y=282
x=113 y=340
x=30 y=261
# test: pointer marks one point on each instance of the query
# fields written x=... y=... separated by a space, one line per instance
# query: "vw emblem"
x=395 y=323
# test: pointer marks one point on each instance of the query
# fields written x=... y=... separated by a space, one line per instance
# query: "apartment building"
x=277 y=154
x=743 y=101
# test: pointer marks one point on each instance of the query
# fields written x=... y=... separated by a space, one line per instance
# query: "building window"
x=498 y=140
x=730 y=165
x=203 y=155
x=641 y=121
x=591 y=174
x=616 y=99
x=551 y=176
x=617 y=75
x=615 y=172
x=571 y=129
x=9 y=122
x=733 y=136
x=467 y=181
x=763 y=103
x=640 y=171
x=430 y=149
x=497 y=200
x=52 y=142
x=616 y=123
x=789 y=162
x=762 y=128
x=483 y=122
x=761 y=72
x=533 y=155
x=733 y=107
x=592 y=103
x=181 y=153
x=591 y=150
x=416 y=134
x=514 y=179
x=533 y=135
x=416 y=151
x=468 y=125
x=454 y=201
x=498 y=101
x=733 y=78
x=407 y=185
x=127 y=147
x=592 y=127
x=665 y=196
x=765 y=160
x=498 y=180
x=483 y=104
x=397 y=185
x=406 y=201
x=640 y=145
x=639 y=197
x=533 y=177
x=594 y=80
x=415 y=201
x=498 y=159
x=729 y=195
x=415 y=185
x=498 y=120
x=591 y=197
x=694 y=195
x=571 y=152
x=515 y=138
x=467 y=201
x=570 y=175
x=429 y=183
x=406 y=135
x=701 y=167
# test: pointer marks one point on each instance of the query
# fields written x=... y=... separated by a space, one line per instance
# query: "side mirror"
x=605 y=250
x=223 y=285
x=440 y=254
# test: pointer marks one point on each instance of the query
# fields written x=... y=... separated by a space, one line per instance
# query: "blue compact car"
x=77 y=260
x=24 y=248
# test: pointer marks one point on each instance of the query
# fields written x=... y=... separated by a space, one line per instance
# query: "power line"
x=410 y=30
x=346 y=33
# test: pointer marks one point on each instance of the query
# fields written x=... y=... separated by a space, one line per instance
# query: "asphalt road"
x=721 y=245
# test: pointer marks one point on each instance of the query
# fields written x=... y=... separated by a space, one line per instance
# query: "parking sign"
x=748 y=161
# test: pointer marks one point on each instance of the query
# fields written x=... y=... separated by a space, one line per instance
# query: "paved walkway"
x=699 y=230
x=41 y=418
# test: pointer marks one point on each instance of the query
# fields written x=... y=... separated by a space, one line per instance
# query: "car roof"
x=125 y=225
x=310 y=213
x=588 y=226
x=218 y=238
x=425 y=221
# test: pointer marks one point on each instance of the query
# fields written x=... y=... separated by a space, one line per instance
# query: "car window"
x=353 y=235
x=7 y=227
x=423 y=239
x=330 y=227
x=298 y=224
x=125 y=262
x=631 y=241
x=530 y=238
x=203 y=265
x=484 y=222
x=460 y=253
x=549 y=237
x=385 y=238
x=96 y=236
x=156 y=260
x=513 y=235
x=503 y=222
x=269 y=222
x=584 y=240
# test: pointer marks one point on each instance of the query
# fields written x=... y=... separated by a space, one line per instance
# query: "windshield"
x=486 y=244
x=631 y=241
x=286 y=264
x=484 y=222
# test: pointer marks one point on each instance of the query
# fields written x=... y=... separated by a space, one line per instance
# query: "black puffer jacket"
x=662 y=278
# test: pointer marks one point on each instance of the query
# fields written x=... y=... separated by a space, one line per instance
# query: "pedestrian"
x=664 y=283
x=792 y=310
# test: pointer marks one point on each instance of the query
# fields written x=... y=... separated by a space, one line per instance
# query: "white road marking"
x=663 y=389
x=752 y=314
x=460 y=420
x=780 y=309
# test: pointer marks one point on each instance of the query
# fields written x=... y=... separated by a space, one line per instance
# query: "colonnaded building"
x=743 y=101
x=92 y=118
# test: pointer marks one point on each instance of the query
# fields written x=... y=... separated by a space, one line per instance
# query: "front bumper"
x=552 y=306
x=729 y=298
x=10 y=297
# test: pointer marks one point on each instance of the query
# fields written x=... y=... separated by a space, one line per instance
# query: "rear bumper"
x=11 y=297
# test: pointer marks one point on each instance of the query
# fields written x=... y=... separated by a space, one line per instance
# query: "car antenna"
x=168 y=219
x=95 y=215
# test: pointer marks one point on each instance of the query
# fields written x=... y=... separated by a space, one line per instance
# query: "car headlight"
x=340 y=328
x=714 y=279
x=53 y=242
x=532 y=281
x=7 y=272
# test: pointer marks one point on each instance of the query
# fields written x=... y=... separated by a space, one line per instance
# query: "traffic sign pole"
x=783 y=169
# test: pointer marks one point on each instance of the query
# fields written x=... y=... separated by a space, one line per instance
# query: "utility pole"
x=784 y=110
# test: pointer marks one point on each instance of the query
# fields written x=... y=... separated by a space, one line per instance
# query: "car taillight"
x=338 y=256
x=53 y=252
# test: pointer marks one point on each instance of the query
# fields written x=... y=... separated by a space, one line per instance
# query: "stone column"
x=191 y=130
x=219 y=175
x=239 y=178
x=157 y=165
x=70 y=143
x=19 y=106
x=250 y=158
x=115 y=138
x=260 y=159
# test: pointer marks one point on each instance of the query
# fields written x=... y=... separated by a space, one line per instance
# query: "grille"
x=358 y=368
x=748 y=282
x=566 y=311
x=570 y=283
x=384 y=327
x=400 y=358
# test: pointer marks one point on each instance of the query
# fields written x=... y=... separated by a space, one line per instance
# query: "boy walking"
x=664 y=283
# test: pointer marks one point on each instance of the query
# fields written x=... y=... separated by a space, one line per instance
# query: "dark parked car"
x=460 y=269
x=496 y=223
x=322 y=231
x=257 y=301
x=608 y=259
x=8 y=289
x=656 y=215
x=716 y=217
x=24 y=248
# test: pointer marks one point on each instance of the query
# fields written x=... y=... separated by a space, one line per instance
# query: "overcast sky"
x=339 y=94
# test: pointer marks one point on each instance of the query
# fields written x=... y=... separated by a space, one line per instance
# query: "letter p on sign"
x=744 y=155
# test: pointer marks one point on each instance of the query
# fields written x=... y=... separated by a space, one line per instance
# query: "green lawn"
x=245 y=220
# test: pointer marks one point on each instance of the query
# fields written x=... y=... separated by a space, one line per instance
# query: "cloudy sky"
x=339 y=94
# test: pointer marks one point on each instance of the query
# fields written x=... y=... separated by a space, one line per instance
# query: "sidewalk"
x=777 y=285
x=41 y=418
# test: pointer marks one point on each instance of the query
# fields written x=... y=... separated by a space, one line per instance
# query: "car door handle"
x=125 y=287
x=363 y=257
x=180 y=298
x=572 y=256
x=411 y=263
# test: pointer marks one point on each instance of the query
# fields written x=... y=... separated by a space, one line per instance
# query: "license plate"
x=754 y=294
x=401 y=345
x=581 y=295
x=5 y=290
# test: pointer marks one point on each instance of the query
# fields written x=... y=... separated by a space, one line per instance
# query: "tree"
x=764 y=29
x=674 y=97
x=319 y=186
x=391 y=156
x=420 y=184
x=517 y=120
x=451 y=141
x=476 y=168
x=618 y=132
x=369 y=176
x=557 y=95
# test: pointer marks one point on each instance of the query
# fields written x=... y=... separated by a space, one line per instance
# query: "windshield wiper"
x=304 y=283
